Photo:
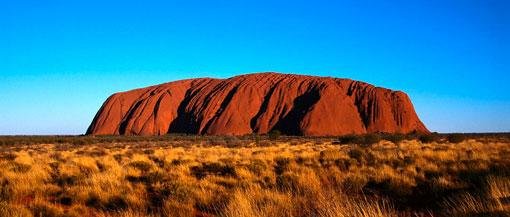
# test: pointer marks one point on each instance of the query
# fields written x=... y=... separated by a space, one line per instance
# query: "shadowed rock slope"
x=258 y=103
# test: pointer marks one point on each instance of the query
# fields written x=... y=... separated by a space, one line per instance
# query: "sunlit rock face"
x=258 y=103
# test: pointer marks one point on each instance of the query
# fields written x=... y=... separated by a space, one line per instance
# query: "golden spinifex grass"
x=299 y=178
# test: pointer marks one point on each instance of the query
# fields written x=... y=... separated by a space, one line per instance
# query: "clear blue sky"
x=59 y=60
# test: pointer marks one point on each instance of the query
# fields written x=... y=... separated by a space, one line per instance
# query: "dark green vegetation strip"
x=261 y=140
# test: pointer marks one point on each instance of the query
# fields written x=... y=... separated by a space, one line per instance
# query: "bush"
x=141 y=165
x=118 y=157
x=395 y=138
x=80 y=142
x=66 y=179
x=6 y=190
x=367 y=139
x=65 y=200
x=257 y=166
x=116 y=203
x=19 y=167
x=428 y=138
x=370 y=139
x=389 y=188
x=148 y=151
x=274 y=134
x=363 y=156
x=282 y=165
x=213 y=169
x=177 y=191
x=147 y=177
x=9 y=156
x=233 y=142
x=256 y=138
x=264 y=143
x=350 y=139
x=456 y=138
x=93 y=201
x=357 y=154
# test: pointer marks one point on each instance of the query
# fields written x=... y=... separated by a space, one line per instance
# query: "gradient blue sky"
x=59 y=60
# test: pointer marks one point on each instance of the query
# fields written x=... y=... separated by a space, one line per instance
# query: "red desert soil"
x=258 y=103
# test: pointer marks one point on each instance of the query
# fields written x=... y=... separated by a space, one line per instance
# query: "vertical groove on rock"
x=224 y=103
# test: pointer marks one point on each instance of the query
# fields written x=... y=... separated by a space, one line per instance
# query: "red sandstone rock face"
x=258 y=103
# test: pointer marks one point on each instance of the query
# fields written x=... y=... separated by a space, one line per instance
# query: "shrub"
x=9 y=156
x=257 y=166
x=177 y=162
x=282 y=165
x=213 y=169
x=233 y=142
x=147 y=177
x=357 y=154
x=6 y=190
x=395 y=138
x=256 y=138
x=80 y=142
x=456 y=138
x=264 y=143
x=408 y=160
x=389 y=188
x=158 y=161
x=65 y=200
x=148 y=151
x=66 y=179
x=370 y=158
x=19 y=167
x=118 y=157
x=370 y=139
x=274 y=134
x=367 y=139
x=428 y=138
x=94 y=201
x=97 y=152
x=116 y=203
x=154 y=177
x=141 y=165
x=177 y=190
x=350 y=139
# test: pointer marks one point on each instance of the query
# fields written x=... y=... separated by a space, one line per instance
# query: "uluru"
x=258 y=103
